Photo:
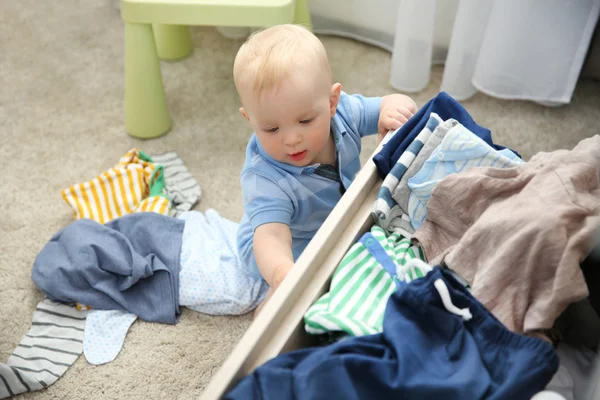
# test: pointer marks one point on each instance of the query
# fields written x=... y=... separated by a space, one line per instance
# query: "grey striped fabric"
x=182 y=187
x=51 y=346
x=386 y=211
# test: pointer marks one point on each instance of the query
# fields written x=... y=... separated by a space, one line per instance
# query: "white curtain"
x=512 y=49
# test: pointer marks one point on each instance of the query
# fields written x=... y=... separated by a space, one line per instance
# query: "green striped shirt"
x=362 y=284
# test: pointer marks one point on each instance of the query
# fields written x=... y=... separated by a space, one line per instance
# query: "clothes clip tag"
x=442 y=289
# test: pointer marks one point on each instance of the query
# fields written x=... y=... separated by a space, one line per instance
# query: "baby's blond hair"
x=269 y=55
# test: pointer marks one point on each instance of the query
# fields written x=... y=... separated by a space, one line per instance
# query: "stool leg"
x=173 y=42
x=302 y=14
x=146 y=112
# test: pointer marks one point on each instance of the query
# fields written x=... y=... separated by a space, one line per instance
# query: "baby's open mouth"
x=298 y=156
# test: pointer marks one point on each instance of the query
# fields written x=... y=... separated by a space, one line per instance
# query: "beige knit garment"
x=518 y=235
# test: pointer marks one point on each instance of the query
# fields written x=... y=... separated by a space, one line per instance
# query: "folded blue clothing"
x=129 y=264
x=424 y=352
x=444 y=106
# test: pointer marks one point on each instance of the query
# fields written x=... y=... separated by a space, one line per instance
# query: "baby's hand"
x=395 y=110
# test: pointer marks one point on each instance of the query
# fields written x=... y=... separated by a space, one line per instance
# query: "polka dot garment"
x=211 y=280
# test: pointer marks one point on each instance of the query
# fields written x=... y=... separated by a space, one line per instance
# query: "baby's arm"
x=273 y=252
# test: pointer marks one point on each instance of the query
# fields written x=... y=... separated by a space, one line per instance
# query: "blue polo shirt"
x=303 y=197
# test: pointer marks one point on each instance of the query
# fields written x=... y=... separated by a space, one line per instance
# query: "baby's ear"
x=244 y=114
x=334 y=98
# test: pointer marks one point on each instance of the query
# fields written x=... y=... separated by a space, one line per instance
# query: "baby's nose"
x=293 y=139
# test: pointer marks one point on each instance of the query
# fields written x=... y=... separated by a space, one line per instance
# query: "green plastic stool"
x=160 y=28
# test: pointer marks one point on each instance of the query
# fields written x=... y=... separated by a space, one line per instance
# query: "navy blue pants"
x=424 y=352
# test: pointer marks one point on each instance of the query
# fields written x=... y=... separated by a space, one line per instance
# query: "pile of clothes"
x=125 y=257
x=472 y=282
x=478 y=279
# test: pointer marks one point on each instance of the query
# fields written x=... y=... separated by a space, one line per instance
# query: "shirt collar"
x=477 y=151
x=337 y=129
x=459 y=144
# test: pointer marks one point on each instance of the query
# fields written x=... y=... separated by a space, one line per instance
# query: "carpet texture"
x=61 y=107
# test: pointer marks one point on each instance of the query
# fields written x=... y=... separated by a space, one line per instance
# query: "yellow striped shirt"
x=121 y=190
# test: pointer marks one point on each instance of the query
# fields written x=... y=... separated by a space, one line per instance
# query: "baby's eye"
x=272 y=130
x=306 y=121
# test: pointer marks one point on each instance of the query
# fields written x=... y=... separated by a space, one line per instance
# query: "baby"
x=305 y=149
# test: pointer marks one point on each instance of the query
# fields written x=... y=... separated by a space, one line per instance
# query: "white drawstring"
x=442 y=289
x=439 y=284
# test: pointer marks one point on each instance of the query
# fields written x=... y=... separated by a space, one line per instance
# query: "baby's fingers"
x=387 y=123
x=399 y=116
x=404 y=112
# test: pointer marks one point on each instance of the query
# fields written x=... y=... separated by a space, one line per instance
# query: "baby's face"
x=292 y=122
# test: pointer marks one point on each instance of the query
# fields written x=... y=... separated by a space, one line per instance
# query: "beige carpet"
x=61 y=107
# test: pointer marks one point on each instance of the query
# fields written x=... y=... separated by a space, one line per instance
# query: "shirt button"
x=440 y=156
x=309 y=170
x=369 y=242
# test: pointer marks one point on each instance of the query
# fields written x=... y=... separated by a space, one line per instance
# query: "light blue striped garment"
x=460 y=150
x=385 y=208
